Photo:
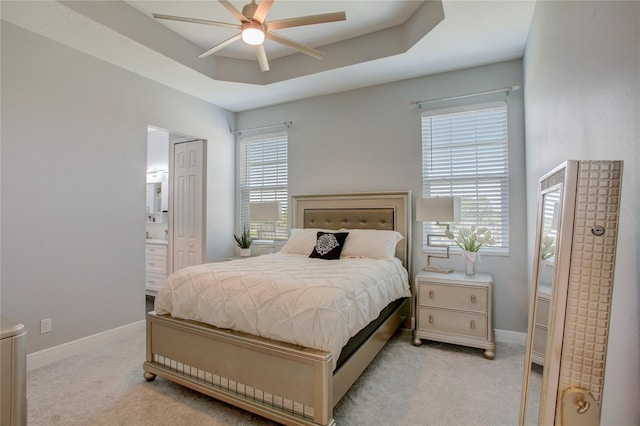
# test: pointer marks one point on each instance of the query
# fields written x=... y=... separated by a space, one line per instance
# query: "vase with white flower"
x=470 y=240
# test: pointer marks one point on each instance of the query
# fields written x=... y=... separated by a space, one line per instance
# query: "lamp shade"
x=268 y=211
x=438 y=209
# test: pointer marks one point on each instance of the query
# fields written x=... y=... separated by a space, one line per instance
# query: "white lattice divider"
x=591 y=276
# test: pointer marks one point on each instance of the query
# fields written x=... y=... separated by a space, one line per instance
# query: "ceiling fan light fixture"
x=252 y=34
x=254 y=28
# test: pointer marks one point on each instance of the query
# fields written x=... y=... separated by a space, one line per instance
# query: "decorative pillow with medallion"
x=329 y=245
x=302 y=240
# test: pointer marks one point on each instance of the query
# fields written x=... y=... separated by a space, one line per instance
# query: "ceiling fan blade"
x=262 y=58
x=235 y=12
x=294 y=44
x=305 y=20
x=262 y=11
x=220 y=46
x=196 y=21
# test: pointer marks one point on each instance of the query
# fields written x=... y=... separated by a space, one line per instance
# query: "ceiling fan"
x=254 y=28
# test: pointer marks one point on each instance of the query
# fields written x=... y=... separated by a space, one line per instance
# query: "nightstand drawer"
x=453 y=297
x=468 y=324
x=155 y=250
x=542 y=310
x=156 y=265
x=154 y=281
x=540 y=340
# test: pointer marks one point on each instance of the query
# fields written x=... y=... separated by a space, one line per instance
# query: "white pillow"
x=302 y=241
x=371 y=243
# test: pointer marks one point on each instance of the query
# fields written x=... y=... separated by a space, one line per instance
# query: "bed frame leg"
x=149 y=377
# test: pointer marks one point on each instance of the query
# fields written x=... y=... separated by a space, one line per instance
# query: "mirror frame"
x=563 y=179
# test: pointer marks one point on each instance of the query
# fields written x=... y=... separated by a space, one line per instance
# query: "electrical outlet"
x=45 y=325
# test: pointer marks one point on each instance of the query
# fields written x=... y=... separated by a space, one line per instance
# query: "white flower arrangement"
x=471 y=239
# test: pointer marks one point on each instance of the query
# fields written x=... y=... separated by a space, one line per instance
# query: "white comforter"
x=292 y=298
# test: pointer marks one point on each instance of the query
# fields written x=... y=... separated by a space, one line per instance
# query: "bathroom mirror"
x=154 y=191
x=157 y=193
x=570 y=298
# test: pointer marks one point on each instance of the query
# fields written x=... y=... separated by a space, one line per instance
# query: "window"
x=264 y=178
x=465 y=154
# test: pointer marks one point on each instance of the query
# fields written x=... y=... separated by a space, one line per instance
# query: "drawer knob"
x=472 y=324
x=473 y=298
x=430 y=294
x=430 y=319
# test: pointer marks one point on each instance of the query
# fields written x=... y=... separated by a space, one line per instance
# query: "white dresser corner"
x=155 y=265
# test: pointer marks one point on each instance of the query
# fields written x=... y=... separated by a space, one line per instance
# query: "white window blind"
x=264 y=178
x=465 y=154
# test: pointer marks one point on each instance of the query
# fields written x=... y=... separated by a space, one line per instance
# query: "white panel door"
x=188 y=204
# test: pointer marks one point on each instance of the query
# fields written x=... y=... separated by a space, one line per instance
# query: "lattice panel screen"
x=591 y=276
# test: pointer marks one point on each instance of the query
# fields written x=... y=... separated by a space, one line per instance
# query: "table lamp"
x=438 y=209
x=265 y=212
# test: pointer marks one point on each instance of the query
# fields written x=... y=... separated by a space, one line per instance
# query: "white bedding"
x=292 y=298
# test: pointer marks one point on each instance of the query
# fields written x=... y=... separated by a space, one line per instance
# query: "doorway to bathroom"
x=175 y=205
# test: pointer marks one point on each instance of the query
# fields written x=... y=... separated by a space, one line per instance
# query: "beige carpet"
x=435 y=384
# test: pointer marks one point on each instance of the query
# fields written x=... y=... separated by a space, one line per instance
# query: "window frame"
x=279 y=190
x=470 y=215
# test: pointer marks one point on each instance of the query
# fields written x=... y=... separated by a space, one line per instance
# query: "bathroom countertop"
x=156 y=241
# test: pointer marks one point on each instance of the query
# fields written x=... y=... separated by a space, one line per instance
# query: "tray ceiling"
x=381 y=41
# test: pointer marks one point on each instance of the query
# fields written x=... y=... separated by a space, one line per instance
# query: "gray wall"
x=582 y=79
x=74 y=132
x=369 y=140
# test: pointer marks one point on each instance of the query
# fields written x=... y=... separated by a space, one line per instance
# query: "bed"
x=285 y=381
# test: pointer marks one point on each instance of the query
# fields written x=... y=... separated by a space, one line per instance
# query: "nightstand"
x=455 y=308
x=540 y=325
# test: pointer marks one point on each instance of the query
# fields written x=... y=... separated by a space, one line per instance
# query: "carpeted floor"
x=435 y=384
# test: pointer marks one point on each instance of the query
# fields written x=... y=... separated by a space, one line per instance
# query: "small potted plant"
x=244 y=242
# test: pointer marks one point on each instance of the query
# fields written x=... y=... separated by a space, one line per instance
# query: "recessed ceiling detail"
x=143 y=29
x=366 y=46
x=254 y=28
x=382 y=41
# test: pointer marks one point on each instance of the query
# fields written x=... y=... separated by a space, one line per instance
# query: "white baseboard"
x=508 y=336
x=56 y=353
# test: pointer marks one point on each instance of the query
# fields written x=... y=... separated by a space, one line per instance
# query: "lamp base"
x=438 y=269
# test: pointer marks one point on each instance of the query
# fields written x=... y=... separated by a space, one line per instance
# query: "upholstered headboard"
x=378 y=210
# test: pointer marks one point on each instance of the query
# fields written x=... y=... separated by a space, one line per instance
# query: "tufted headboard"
x=378 y=210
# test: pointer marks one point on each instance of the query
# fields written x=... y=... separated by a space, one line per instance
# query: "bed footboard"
x=346 y=375
x=286 y=383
